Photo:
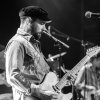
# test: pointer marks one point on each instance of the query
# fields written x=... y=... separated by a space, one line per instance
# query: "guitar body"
x=50 y=81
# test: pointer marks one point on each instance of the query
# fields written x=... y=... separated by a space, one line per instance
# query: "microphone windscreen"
x=88 y=14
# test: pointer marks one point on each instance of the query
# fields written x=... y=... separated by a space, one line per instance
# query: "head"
x=95 y=60
x=33 y=20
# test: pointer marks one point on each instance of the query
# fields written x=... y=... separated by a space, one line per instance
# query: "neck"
x=26 y=30
x=26 y=27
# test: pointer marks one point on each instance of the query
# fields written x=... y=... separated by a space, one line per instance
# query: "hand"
x=88 y=87
x=97 y=93
x=44 y=95
x=91 y=88
x=50 y=96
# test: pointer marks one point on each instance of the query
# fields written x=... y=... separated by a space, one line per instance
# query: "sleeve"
x=14 y=57
x=80 y=80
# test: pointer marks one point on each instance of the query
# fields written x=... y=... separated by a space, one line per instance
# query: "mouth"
x=39 y=34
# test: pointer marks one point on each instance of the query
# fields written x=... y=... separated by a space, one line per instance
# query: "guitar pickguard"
x=50 y=81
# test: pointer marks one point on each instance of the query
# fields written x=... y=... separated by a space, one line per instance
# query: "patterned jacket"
x=25 y=64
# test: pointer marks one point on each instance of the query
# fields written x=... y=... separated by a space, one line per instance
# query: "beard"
x=37 y=35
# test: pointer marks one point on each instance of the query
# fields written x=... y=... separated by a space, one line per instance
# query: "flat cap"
x=34 y=12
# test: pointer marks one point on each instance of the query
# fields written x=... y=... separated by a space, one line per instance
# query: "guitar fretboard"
x=74 y=71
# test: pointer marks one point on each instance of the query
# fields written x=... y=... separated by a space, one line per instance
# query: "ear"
x=28 y=20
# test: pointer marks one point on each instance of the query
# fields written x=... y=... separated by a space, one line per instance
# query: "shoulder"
x=13 y=47
x=84 y=68
x=87 y=66
x=15 y=42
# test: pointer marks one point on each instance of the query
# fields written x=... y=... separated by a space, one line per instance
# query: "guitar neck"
x=79 y=65
x=75 y=70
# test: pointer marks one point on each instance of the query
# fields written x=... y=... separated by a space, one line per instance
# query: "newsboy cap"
x=34 y=12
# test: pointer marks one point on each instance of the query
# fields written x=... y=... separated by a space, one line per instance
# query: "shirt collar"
x=25 y=34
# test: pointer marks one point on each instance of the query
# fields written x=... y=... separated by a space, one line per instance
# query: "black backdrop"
x=68 y=17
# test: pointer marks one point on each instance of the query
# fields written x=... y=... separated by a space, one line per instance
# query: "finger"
x=49 y=27
x=55 y=96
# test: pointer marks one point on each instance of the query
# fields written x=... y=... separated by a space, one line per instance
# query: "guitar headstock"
x=93 y=51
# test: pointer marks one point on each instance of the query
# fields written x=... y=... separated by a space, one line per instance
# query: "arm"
x=14 y=63
x=79 y=83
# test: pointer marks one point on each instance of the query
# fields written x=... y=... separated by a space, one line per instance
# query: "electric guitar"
x=51 y=84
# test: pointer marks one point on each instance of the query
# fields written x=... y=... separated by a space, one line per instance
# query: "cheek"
x=37 y=28
x=98 y=63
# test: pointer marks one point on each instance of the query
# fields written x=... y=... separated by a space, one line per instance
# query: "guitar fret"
x=62 y=82
x=75 y=70
x=81 y=63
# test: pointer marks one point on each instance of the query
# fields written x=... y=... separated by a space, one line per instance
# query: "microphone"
x=56 y=56
x=48 y=33
x=53 y=31
x=89 y=14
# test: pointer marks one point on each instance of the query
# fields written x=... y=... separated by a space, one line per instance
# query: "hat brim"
x=48 y=21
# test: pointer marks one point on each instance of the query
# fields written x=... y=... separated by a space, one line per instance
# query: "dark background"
x=68 y=16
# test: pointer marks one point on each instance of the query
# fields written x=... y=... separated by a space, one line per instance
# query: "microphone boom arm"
x=55 y=39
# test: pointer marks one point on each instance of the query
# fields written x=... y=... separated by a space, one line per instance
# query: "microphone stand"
x=58 y=33
x=59 y=48
x=59 y=60
x=59 y=41
x=72 y=38
x=84 y=44
x=84 y=47
x=55 y=39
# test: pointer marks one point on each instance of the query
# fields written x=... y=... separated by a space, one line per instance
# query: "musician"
x=88 y=79
x=26 y=66
x=5 y=88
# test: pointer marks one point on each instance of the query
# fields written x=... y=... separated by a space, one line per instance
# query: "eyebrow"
x=42 y=22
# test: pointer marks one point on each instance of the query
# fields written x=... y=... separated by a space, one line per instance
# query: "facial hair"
x=37 y=35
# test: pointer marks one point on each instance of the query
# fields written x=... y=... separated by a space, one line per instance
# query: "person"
x=88 y=79
x=5 y=88
x=26 y=66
